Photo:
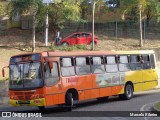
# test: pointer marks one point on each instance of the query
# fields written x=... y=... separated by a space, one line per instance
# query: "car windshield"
x=27 y=75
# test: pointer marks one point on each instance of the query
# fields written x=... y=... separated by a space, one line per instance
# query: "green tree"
x=58 y=12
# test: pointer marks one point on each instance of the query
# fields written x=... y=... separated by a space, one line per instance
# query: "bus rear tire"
x=69 y=101
x=128 y=92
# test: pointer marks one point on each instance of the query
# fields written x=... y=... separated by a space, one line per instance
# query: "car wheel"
x=91 y=43
x=64 y=44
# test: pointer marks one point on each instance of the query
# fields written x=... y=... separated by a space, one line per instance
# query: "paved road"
x=142 y=101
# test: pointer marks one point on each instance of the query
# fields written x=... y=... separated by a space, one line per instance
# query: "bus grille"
x=24 y=95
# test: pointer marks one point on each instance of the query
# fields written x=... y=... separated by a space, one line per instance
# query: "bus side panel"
x=49 y=100
x=148 y=82
x=90 y=94
x=136 y=78
x=116 y=89
x=61 y=98
x=82 y=83
x=105 y=92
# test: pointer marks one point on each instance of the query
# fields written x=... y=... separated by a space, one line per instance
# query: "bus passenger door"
x=52 y=83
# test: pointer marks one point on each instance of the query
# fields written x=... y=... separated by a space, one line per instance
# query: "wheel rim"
x=64 y=44
x=129 y=91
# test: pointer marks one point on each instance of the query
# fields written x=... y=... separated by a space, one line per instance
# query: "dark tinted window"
x=146 y=62
x=85 y=35
x=135 y=62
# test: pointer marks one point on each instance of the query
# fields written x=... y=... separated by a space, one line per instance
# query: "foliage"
x=2 y=8
x=68 y=48
x=150 y=9
x=158 y=11
x=157 y=106
x=58 y=12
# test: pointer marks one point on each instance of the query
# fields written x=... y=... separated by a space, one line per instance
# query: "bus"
x=61 y=78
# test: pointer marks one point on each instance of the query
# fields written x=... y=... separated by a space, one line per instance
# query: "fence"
x=116 y=30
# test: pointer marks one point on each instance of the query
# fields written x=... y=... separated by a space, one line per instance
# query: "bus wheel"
x=41 y=108
x=128 y=93
x=69 y=101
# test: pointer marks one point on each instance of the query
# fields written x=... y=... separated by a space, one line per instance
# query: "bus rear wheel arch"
x=128 y=91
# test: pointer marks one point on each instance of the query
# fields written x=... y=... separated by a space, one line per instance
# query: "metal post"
x=140 y=24
x=94 y=3
x=47 y=25
x=116 y=33
x=33 y=32
x=144 y=31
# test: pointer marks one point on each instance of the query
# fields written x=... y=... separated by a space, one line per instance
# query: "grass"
x=157 y=106
x=68 y=48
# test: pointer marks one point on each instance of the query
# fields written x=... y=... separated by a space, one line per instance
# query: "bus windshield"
x=26 y=75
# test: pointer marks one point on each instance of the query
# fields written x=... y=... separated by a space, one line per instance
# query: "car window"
x=85 y=35
x=74 y=36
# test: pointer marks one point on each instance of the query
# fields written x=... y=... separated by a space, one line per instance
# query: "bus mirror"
x=3 y=72
x=50 y=65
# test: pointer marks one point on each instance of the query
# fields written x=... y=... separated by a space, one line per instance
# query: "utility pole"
x=94 y=4
x=33 y=27
x=33 y=34
x=140 y=25
x=47 y=26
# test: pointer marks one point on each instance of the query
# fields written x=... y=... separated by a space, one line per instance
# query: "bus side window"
x=97 y=65
x=135 y=62
x=82 y=65
x=123 y=63
x=146 y=62
x=111 y=65
x=67 y=67
x=152 y=60
x=51 y=75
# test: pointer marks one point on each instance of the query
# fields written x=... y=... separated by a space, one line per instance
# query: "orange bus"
x=56 y=78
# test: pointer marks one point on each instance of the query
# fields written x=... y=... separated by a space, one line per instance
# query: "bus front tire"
x=128 y=92
x=41 y=108
x=69 y=101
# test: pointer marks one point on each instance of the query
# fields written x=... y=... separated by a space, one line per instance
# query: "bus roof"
x=87 y=53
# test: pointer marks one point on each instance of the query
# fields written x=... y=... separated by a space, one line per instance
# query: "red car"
x=79 y=38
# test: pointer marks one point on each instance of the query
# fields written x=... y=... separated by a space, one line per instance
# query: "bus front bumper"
x=35 y=102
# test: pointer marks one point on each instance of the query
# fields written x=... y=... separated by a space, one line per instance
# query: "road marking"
x=148 y=107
